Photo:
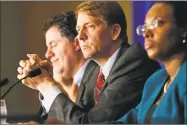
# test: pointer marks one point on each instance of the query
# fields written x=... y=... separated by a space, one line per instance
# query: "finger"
x=22 y=63
x=34 y=57
x=47 y=65
x=20 y=70
x=27 y=68
x=19 y=76
x=33 y=61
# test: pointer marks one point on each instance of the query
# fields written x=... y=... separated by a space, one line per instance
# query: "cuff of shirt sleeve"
x=49 y=97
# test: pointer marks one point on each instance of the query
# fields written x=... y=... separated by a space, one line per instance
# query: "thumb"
x=47 y=66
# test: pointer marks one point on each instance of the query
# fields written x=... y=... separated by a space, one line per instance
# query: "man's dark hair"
x=66 y=22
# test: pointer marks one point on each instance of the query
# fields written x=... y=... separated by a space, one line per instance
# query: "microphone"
x=33 y=73
x=3 y=82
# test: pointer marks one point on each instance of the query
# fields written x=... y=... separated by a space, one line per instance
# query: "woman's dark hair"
x=180 y=10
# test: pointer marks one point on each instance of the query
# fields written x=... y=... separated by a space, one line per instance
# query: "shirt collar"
x=108 y=65
x=79 y=74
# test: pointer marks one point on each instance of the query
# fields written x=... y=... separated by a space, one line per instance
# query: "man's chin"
x=57 y=75
x=87 y=56
x=63 y=80
x=57 y=79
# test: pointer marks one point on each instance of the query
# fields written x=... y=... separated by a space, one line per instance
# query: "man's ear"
x=116 y=30
x=76 y=43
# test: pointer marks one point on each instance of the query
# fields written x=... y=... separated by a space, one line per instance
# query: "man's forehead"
x=62 y=38
x=84 y=18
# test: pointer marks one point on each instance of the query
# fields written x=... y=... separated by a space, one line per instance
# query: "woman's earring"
x=184 y=41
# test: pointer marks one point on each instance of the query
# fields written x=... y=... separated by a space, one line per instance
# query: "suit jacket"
x=121 y=92
x=85 y=98
x=173 y=106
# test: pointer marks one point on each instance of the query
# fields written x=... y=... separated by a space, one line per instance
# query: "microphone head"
x=34 y=72
x=4 y=82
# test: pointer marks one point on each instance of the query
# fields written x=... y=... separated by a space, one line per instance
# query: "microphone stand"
x=17 y=117
x=32 y=73
x=12 y=87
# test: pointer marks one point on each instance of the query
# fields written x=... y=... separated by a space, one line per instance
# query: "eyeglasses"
x=142 y=28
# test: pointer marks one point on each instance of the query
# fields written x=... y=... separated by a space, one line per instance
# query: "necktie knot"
x=99 y=85
x=100 y=81
x=101 y=76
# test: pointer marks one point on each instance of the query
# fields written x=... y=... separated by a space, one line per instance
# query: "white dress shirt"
x=108 y=65
x=53 y=92
x=79 y=74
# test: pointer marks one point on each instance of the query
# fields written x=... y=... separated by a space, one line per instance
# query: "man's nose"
x=82 y=35
x=49 y=53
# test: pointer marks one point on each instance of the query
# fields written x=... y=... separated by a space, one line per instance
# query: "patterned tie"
x=99 y=85
x=74 y=91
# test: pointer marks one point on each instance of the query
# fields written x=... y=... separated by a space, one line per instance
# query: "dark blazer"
x=85 y=97
x=172 y=109
x=121 y=92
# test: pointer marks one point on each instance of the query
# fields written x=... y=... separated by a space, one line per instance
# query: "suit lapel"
x=154 y=93
x=122 y=50
x=86 y=77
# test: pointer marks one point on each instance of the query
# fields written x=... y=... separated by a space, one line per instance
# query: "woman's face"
x=161 y=34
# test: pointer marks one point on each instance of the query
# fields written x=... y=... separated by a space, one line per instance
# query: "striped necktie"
x=99 y=85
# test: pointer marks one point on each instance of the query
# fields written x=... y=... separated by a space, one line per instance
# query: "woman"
x=164 y=98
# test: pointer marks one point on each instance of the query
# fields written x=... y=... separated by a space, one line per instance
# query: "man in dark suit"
x=123 y=70
x=69 y=67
